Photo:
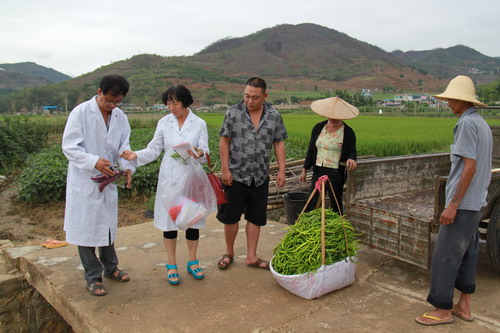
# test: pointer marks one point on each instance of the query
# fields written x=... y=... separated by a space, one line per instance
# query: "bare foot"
x=435 y=317
x=464 y=315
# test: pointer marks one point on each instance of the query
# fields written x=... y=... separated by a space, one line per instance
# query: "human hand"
x=448 y=214
x=351 y=164
x=128 y=155
x=103 y=166
x=226 y=178
x=303 y=176
x=281 y=179
x=199 y=153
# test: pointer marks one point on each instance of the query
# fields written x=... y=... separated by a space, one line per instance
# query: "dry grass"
x=30 y=223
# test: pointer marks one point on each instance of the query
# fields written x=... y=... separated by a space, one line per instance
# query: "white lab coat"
x=167 y=135
x=91 y=217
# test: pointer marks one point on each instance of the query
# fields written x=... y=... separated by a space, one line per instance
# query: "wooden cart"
x=396 y=203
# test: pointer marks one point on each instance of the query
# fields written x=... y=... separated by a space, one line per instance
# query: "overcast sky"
x=77 y=37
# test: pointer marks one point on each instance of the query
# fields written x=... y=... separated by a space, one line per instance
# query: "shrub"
x=44 y=177
x=19 y=137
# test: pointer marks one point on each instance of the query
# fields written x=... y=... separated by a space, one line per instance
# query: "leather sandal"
x=262 y=264
x=120 y=277
x=224 y=264
x=93 y=287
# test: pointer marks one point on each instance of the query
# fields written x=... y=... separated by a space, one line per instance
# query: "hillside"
x=447 y=63
x=11 y=81
x=303 y=50
x=305 y=59
x=32 y=69
x=19 y=76
x=149 y=75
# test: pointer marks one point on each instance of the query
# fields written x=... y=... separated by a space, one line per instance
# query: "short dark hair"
x=114 y=84
x=257 y=82
x=179 y=93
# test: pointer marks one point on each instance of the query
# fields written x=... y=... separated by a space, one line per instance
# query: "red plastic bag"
x=216 y=184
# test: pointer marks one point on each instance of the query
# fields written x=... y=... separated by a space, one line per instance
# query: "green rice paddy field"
x=380 y=136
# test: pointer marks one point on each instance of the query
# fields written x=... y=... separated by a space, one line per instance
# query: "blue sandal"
x=172 y=275
x=197 y=270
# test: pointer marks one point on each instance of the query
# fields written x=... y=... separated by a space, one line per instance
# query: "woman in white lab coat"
x=180 y=126
x=95 y=134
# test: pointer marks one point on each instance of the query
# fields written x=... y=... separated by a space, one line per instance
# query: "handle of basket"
x=306 y=205
x=323 y=223
x=335 y=197
x=323 y=217
x=340 y=212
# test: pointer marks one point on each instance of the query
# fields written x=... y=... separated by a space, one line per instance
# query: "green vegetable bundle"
x=299 y=251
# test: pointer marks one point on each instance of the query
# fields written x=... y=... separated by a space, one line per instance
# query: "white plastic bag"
x=316 y=284
x=191 y=198
x=189 y=214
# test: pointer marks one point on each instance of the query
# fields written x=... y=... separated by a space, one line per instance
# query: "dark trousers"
x=336 y=177
x=94 y=266
x=455 y=258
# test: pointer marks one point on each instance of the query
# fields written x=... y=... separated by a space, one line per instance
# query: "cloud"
x=78 y=37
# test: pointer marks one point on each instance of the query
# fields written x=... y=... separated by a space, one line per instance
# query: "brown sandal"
x=223 y=263
x=258 y=263
x=121 y=276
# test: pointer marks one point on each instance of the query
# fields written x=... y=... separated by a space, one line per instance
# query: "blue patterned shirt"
x=249 y=150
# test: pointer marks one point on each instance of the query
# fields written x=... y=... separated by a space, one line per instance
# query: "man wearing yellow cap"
x=456 y=253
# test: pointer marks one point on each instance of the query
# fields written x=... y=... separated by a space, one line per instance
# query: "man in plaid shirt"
x=249 y=131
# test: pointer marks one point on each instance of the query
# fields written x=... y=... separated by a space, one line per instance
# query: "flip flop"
x=223 y=264
x=52 y=243
x=459 y=315
x=436 y=320
x=258 y=263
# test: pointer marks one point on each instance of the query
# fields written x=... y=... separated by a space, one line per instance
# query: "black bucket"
x=294 y=203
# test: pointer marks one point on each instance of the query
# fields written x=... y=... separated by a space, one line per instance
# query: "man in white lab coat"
x=96 y=133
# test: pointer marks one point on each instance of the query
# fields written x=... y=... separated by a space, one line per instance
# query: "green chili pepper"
x=299 y=251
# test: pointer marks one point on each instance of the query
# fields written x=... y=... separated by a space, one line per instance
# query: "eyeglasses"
x=111 y=103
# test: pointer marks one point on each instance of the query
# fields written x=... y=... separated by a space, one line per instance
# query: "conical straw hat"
x=462 y=89
x=335 y=108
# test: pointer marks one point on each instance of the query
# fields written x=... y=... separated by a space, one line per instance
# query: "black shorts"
x=241 y=198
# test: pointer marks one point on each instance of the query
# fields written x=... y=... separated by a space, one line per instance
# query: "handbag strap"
x=208 y=162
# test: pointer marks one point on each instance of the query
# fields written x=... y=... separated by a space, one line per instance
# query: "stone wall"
x=380 y=177
x=22 y=308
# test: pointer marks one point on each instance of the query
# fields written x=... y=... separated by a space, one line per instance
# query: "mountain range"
x=292 y=58
x=24 y=75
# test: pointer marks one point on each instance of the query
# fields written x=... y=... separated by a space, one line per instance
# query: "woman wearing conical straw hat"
x=332 y=142
x=455 y=256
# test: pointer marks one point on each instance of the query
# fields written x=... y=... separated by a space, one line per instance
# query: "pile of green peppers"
x=299 y=251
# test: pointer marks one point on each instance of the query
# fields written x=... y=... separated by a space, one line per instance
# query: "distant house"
x=413 y=98
x=52 y=108
x=366 y=93
x=391 y=102
x=159 y=107
x=127 y=106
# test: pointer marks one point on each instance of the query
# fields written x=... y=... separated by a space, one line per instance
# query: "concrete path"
x=386 y=296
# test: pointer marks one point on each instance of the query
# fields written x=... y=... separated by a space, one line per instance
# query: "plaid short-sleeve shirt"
x=250 y=149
